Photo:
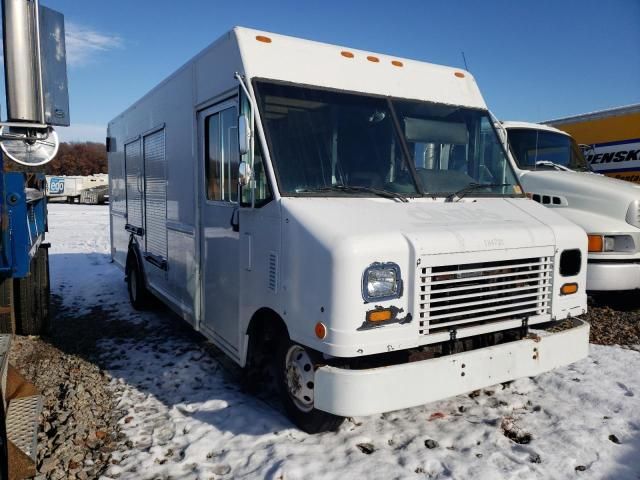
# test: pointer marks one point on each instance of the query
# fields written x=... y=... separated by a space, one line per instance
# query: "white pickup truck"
x=553 y=172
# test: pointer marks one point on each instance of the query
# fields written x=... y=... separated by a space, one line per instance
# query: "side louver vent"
x=273 y=272
x=549 y=199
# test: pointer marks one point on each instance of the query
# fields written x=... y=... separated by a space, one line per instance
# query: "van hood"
x=591 y=192
x=430 y=227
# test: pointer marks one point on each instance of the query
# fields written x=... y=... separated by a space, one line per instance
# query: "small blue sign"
x=56 y=185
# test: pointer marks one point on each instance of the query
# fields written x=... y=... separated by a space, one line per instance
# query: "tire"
x=7 y=317
x=139 y=296
x=43 y=285
x=31 y=297
x=294 y=369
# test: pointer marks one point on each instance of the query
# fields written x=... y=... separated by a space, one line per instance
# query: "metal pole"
x=23 y=78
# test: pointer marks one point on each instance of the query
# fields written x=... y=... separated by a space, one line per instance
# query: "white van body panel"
x=598 y=204
x=302 y=258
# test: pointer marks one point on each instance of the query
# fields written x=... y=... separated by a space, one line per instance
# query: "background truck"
x=611 y=139
x=36 y=98
x=346 y=220
x=554 y=172
x=72 y=187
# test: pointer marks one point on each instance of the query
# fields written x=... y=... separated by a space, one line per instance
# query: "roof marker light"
x=459 y=74
x=346 y=54
x=262 y=38
x=397 y=63
x=373 y=59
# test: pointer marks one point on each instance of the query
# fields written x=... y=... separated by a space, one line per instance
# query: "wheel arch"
x=265 y=327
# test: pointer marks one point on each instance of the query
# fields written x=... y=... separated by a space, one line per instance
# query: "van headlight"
x=381 y=281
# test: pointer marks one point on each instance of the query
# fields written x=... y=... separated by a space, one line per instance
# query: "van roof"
x=294 y=60
x=280 y=57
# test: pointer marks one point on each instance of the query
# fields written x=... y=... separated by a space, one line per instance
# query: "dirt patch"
x=513 y=432
x=614 y=319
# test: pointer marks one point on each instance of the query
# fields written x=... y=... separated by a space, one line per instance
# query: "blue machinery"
x=23 y=221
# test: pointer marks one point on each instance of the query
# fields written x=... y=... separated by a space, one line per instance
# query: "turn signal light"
x=596 y=243
x=321 y=330
x=569 y=288
x=381 y=315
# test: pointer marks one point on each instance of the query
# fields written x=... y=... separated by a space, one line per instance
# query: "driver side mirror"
x=244 y=173
x=244 y=134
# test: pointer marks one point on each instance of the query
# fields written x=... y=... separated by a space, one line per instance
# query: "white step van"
x=553 y=171
x=350 y=219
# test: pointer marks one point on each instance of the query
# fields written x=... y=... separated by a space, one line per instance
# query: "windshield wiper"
x=454 y=197
x=549 y=163
x=354 y=188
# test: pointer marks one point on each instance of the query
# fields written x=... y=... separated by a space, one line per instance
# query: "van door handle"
x=235 y=220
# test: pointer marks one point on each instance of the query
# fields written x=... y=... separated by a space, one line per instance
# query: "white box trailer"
x=66 y=187
x=553 y=170
x=70 y=187
x=347 y=216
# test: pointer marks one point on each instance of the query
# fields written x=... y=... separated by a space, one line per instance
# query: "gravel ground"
x=80 y=427
x=79 y=419
x=615 y=319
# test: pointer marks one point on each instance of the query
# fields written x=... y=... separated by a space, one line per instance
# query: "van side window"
x=221 y=155
x=212 y=157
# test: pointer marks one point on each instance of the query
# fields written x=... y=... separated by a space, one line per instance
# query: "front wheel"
x=295 y=370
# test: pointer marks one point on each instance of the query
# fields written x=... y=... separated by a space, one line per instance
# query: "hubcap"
x=299 y=376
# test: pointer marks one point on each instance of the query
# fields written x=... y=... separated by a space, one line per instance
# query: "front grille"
x=453 y=297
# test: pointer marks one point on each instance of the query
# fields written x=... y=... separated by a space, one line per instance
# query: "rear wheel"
x=7 y=317
x=295 y=375
x=139 y=296
x=31 y=296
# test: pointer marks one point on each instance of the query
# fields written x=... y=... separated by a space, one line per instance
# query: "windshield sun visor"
x=435 y=131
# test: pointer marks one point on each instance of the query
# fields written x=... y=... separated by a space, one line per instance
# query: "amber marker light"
x=373 y=59
x=596 y=243
x=569 y=288
x=321 y=330
x=263 y=39
x=397 y=63
x=346 y=54
x=381 y=315
x=459 y=74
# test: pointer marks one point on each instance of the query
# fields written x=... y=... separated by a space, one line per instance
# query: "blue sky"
x=533 y=60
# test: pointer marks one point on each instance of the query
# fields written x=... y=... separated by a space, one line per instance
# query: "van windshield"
x=539 y=149
x=334 y=143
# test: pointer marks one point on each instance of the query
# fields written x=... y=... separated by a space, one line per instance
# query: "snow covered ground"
x=186 y=417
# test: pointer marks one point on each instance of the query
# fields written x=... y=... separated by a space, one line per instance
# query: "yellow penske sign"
x=612 y=138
